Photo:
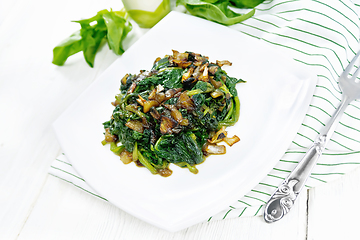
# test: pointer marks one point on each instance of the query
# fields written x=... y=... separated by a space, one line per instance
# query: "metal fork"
x=284 y=197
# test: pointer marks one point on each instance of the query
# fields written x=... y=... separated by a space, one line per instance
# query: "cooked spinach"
x=173 y=113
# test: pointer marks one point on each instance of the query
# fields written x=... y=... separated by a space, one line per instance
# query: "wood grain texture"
x=33 y=93
x=334 y=209
x=64 y=212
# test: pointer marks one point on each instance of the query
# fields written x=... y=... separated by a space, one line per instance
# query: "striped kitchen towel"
x=318 y=33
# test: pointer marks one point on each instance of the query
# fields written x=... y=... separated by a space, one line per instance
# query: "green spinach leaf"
x=217 y=11
x=117 y=29
x=105 y=25
x=246 y=3
x=92 y=39
x=73 y=44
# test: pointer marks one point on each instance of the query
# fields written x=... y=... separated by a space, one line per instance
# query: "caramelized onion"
x=126 y=157
x=155 y=114
x=175 y=114
x=157 y=59
x=164 y=172
x=231 y=141
x=187 y=74
x=159 y=88
x=216 y=84
x=214 y=149
x=223 y=63
x=124 y=79
x=132 y=88
x=213 y=69
x=200 y=58
x=185 y=102
x=184 y=122
x=197 y=72
x=160 y=97
x=141 y=100
x=219 y=136
x=205 y=75
x=216 y=93
x=171 y=93
x=180 y=59
x=167 y=125
x=135 y=125
x=109 y=137
x=115 y=103
x=152 y=94
x=149 y=104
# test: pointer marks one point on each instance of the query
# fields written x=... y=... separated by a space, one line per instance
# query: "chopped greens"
x=175 y=113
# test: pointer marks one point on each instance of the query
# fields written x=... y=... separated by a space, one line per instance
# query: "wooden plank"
x=334 y=209
x=65 y=212
x=33 y=93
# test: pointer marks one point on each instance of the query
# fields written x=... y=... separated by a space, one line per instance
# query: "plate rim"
x=179 y=225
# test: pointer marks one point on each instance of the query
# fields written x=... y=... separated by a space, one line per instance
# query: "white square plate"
x=274 y=101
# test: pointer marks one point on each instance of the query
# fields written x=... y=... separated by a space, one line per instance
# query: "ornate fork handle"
x=284 y=197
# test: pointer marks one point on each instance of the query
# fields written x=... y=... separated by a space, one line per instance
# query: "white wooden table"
x=34 y=92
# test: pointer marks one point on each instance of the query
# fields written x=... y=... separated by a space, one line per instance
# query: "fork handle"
x=284 y=197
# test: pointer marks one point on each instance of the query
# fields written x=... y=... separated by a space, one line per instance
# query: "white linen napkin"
x=323 y=35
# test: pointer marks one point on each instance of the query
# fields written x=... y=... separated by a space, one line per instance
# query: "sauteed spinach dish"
x=177 y=113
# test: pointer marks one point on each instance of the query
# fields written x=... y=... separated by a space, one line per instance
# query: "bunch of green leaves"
x=220 y=10
x=111 y=26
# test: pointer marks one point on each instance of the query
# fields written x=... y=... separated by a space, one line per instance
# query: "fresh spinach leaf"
x=117 y=29
x=92 y=39
x=73 y=44
x=217 y=11
x=246 y=3
x=92 y=36
x=111 y=26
